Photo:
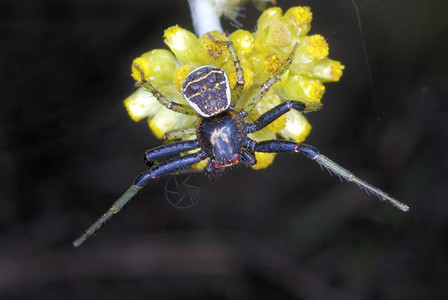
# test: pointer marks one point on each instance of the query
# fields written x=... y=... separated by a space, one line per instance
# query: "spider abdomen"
x=222 y=138
x=206 y=89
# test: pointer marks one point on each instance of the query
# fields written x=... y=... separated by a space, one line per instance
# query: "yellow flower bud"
x=264 y=65
x=303 y=88
x=243 y=42
x=297 y=127
x=327 y=70
x=263 y=42
x=183 y=43
x=301 y=18
x=279 y=33
x=142 y=104
x=270 y=14
x=167 y=120
x=311 y=49
x=158 y=66
x=316 y=46
x=210 y=52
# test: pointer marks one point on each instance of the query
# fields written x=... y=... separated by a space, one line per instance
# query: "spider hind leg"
x=276 y=146
x=165 y=168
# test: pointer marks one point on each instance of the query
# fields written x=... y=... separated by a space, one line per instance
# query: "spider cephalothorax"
x=222 y=138
x=222 y=132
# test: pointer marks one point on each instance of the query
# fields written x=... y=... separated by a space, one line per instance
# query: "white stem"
x=204 y=16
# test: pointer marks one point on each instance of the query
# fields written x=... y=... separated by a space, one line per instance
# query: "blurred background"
x=68 y=150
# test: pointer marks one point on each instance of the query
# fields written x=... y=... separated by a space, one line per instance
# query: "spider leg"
x=177 y=134
x=279 y=110
x=165 y=168
x=271 y=80
x=236 y=62
x=153 y=154
x=314 y=154
x=174 y=106
x=248 y=158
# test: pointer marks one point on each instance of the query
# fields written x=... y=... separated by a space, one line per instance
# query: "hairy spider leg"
x=248 y=158
x=274 y=113
x=165 y=168
x=174 y=106
x=276 y=146
x=178 y=134
x=238 y=88
x=271 y=80
x=156 y=153
x=314 y=154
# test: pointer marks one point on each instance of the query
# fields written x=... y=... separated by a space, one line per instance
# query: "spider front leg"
x=165 y=168
x=168 y=150
x=279 y=110
x=174 y=106
x=314 y=154
x=268 y=83
x=236 y=62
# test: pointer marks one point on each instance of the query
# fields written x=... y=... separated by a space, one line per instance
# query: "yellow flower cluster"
x=261 y=53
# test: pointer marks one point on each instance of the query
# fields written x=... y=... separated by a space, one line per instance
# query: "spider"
x=222 y=132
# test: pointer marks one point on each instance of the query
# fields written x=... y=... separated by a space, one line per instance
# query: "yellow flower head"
x=260 y=54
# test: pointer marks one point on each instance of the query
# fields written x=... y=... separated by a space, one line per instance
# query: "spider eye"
x=207 y=90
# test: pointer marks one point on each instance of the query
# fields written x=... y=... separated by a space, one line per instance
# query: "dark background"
x=68 y=150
